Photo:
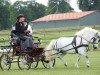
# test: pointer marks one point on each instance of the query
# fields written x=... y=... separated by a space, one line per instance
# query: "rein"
x=87 y=40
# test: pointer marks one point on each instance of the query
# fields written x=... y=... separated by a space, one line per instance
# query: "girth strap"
x=76 y=47
x=74 y=44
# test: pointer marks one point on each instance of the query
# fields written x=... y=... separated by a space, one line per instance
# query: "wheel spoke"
x=34 y=64
x=5 y=62
x=23 y=62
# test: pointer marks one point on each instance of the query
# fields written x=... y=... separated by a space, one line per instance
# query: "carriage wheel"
x=34 y=64
x=46 y=64
x=5 y=62
x=24 y=62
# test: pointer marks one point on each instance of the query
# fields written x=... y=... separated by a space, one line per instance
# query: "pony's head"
x=49 y=52
x=95 y=41
x=90 y=35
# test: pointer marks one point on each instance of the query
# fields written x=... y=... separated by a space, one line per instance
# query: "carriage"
x=25 y=59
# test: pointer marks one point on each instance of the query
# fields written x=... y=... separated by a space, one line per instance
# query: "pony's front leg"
x=77 y=61
x=82 y=51
x=62 y=59
x=87 y=61
x=51 y=64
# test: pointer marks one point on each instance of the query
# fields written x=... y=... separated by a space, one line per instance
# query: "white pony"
x=78 y=44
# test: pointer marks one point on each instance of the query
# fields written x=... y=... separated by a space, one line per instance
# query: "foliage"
x=33 y=10
x=58 y=6
x=8 y=12
x=87 y=5
x=4 y=14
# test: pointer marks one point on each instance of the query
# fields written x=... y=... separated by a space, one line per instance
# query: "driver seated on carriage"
x=22 y=34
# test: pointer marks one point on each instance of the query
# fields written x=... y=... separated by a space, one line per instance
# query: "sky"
x=39 y=1
x=73 y=3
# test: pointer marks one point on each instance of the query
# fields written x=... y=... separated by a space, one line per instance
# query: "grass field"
x=59 y=69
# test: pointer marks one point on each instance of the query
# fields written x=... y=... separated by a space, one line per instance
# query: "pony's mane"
x=49 y=47
x=86 y=29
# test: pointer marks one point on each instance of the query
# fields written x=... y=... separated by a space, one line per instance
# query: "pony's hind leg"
x=77 y=61
x=87 y=61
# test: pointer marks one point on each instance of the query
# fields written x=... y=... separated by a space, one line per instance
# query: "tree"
x=8 y=12
x=19 y=7
x=31 y=9
x=4 y=14
x=35 y=10
x=87 y=5
x=58 y=6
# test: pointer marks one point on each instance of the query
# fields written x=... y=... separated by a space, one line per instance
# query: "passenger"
x=29 y=29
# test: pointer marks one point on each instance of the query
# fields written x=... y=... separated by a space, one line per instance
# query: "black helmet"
x=21 y=15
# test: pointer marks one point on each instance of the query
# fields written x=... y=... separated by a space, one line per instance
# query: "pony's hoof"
x=65 y=65
x=76 y=65
x=88 y=66
x=51 y=67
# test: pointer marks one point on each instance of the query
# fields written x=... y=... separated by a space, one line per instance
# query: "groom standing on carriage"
x=21 y=31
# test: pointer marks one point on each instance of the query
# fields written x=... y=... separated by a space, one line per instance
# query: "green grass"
x=59 y=69
x=68 y=28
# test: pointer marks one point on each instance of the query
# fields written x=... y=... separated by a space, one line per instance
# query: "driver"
x=21 y=30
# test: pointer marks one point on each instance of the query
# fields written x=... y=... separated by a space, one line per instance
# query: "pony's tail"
x=51 y=45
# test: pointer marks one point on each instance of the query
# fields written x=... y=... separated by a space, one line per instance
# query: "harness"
x=81 y=44
x=73 y=43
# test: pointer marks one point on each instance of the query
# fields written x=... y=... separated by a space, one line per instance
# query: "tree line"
x=33 y=10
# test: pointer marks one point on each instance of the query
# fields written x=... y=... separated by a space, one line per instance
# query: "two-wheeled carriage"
x=25 y=59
